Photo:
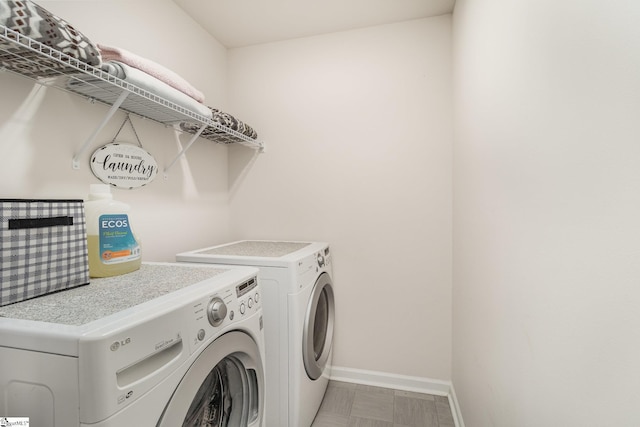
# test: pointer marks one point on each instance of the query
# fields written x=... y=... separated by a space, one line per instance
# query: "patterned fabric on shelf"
x=37 y=23
x=217 y=135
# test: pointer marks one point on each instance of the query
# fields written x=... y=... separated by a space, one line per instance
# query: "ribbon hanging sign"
x=123 y=165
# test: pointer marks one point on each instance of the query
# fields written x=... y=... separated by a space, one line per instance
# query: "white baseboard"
x=395 y=381
x=401 y=382
x=455 y=408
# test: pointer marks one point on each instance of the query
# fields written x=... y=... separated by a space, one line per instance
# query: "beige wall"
x=41 y=128
x=546 y=208
x=358 y=132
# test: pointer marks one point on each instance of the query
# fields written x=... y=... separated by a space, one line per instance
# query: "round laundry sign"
x=123 y=165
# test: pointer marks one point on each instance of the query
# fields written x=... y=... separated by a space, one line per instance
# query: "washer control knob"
x=217 y=311
x=257 y=297
x=250 y=303
x=242 y=308
x=320 y=260
x=201 y=334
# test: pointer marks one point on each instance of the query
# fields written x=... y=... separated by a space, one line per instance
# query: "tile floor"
x=353 y=405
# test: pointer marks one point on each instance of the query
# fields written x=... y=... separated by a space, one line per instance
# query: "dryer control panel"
x=317 y=262
x=324 y=258
x=311 y=266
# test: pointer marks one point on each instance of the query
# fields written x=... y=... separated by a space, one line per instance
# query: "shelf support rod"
x=110 y=113
x=184 y=150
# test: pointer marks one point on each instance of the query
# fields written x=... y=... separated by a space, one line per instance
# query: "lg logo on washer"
x=117 y=344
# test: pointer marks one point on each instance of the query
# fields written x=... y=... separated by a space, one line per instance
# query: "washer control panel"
x=248 y=296
x=246 y=287
x=216 y=311
x=221 y=309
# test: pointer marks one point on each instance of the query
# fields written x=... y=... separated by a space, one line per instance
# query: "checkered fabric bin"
x=43 y=248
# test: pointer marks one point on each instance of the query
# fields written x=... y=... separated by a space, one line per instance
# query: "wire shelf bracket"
x=31 y=59
x=184 y=150
x=115 y=107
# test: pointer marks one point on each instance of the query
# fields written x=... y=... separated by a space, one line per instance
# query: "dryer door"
x=224 y=387
x=318 y=327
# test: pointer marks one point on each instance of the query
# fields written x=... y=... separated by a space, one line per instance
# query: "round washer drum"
x=318 y=327
x=228 y=395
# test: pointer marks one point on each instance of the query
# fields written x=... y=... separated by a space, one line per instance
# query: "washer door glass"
x=222 y=399
x=222 y=388
x=318 y=327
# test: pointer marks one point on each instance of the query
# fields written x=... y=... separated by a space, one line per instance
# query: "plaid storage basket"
x=43 y=248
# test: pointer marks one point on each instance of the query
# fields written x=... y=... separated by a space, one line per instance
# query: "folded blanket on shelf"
x=148 y=96
x=37 y=23
x=152 y=68
x=215 y=134
x=157 y=87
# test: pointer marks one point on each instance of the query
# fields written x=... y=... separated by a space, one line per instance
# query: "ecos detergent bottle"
x=113 y=248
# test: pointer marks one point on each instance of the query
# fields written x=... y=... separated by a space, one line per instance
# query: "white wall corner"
x=401 y=382
x=455 y=407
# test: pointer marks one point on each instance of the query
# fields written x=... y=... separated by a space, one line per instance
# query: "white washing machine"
x=169 y=345
x=299 y=320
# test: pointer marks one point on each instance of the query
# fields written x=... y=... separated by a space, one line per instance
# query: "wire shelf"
x=24 y=56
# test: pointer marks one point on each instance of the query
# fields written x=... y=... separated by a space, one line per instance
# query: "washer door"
x=223 y=387
x=318 y=327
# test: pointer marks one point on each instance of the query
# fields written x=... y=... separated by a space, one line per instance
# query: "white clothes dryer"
x=166 y=346
x=299 y=307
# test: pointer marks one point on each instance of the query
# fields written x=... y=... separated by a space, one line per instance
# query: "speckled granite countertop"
x=257 y=248
x=106 y=296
